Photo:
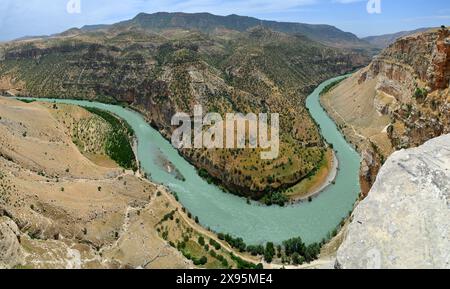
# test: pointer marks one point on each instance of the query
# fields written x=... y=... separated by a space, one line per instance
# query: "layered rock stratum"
x=405 y=220
x=399 y=101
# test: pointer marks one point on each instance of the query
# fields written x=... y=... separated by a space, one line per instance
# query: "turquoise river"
x=224 y=212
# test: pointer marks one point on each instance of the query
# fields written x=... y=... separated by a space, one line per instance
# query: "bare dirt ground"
x=353 y=108
x=60 y=209
x=70 y=212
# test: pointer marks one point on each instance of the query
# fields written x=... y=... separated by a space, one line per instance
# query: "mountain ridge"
x=207 y=22
x=384 y=40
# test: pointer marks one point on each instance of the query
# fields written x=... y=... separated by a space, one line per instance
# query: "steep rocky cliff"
x=383 y=41
x=405 y=220
x=11 y=253
x=400 y=100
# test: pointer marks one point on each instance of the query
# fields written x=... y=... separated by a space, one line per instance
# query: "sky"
x=20 y=18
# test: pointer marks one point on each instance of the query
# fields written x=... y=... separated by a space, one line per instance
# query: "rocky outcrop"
x=400 y=100
x=371 y=162
x=405 y=220
x=415 y=73
x=11 y=253
x=419 y=59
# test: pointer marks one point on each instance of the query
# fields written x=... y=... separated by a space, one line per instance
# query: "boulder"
x=11 y=253
x=405 y=220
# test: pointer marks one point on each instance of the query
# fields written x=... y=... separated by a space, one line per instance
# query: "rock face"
x=400 y=100
x=370 y=165
x=414 y=73
x=405 y=220
x=10 y=250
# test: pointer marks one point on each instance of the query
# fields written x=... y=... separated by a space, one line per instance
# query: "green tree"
x=269 y=252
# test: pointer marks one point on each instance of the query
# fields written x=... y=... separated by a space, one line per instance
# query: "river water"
x=226 y=213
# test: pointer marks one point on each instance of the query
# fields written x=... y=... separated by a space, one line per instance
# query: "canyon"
x=399 y=121
x=88 y=212
x=164 y=63
x=64 y=203
x=399 y=101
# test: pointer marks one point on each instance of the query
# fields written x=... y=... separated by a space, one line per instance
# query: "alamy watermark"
x=237 y=131
x=374 y=7
x=73 y=7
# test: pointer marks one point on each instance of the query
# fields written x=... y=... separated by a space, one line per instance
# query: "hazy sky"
x=41 y=17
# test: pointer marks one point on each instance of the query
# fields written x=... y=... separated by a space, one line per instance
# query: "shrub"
x=269 y=252
x=215 y=244
x=420 y=93
x=200 y=262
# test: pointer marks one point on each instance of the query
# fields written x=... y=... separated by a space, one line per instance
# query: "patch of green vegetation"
x=242 y=264
x=275 y=198
x=330 y=86
x=223 y=261
x=23 y=267
x=215 y=244
x=118 y=144
x=420 y=93
x=292 y=251
x=237 y=243
x=27 y=100
x=299 y=252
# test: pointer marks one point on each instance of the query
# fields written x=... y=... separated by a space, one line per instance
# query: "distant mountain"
x=383 y=41
x=208 y=23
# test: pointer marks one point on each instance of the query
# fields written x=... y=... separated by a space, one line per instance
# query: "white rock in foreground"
x=405 y=220
x=10 y=250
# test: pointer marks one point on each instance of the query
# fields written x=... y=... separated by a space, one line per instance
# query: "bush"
x=276 y=198
x=294 y=245
x=200 y=262
x=255 y=250
x=269 y=252
x=420 y=93
x=237 y=243
x=215 y=244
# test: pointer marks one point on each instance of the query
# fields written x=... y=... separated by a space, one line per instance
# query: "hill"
x=170 y=70
x=209 y=23
x=383 y=41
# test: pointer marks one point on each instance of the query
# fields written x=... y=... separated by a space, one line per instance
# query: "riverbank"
x=254 y=223
x=311 y=187
x=78 y=214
